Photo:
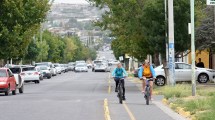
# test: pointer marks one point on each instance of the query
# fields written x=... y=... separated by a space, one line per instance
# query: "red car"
x=7 y=81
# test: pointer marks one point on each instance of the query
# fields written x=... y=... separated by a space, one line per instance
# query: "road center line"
x=129 y=111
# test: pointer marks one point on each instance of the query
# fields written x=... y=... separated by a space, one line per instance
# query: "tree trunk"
x=156 y=59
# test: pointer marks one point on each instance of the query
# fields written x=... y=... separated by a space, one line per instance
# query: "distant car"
x=101 y=67
x=16 y=70
x=72 y=65
x=7 y=81
x=40 y=73
x=63 y=68
x=30 y=74
x=183 y=72
x=58 y=68
x=89 y=66
x=81 y=68
x=45 y=71
x=135 y=73
x=50 y=65
x=94 y=64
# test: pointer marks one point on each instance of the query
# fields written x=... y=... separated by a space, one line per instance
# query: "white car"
x=183 y=72
x=102 y=67
x=30 y=74
x=45 y=71
x=81 y=68
x=58 y=68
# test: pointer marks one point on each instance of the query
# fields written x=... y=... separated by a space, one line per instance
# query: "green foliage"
x=139 y=25
x=19 y=21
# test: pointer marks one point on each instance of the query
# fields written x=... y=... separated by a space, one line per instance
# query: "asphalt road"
x=78 y=96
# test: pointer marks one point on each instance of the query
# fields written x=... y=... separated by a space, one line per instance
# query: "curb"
x=179 y=110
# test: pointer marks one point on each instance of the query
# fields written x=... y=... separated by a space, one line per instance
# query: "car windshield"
x=80 y=66
x=57 y=65
x=15 y=70
x=43 y=68
x=3 y=73
x=29 y=69
x=96 y=62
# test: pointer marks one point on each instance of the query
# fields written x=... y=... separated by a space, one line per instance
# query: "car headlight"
x=3 y=83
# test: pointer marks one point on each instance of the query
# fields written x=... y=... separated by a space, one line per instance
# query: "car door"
x=11 y=79
x=185 y=72
x=178 y=71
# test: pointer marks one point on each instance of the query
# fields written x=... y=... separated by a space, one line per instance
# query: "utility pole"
x=193 y=51
x=41 y=39
x=171 y=43
x=166 y=40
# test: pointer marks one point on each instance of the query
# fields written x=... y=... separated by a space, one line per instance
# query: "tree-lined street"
x=78 y=96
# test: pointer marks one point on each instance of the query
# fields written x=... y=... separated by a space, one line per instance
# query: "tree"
x=139 y=25
x=19 y=21
x=33 y=52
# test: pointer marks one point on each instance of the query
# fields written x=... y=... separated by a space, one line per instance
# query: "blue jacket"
x=123 y=75
x=140 y=72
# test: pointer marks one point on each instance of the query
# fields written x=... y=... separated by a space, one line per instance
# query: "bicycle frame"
x=147 y=90
x=120 y=90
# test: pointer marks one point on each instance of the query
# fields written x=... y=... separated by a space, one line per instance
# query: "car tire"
x=49 y=77
x=14 y=92
x=203 y=78
x=160 y=81
x=21 y=89
x=8 y=91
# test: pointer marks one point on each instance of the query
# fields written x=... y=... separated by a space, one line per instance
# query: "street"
x=78 y=96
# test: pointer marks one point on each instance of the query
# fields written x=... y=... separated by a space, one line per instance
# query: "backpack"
x=147 y=72
x=119 y=72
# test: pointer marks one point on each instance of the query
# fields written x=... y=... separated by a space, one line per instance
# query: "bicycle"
x=120 y=90
x=147 y=90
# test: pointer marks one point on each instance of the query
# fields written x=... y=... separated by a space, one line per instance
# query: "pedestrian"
x=200 y=64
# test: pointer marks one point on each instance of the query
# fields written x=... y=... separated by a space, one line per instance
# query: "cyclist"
x=119 y=73
x=146 y=71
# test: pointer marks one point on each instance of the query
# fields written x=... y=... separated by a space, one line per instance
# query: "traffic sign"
x=210 y=2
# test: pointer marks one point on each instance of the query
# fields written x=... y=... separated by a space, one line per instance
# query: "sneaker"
x=123 y=98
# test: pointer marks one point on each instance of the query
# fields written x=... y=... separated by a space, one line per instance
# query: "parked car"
x=58 y=68
x=183 y=72
x=50 y=65
x=40 y=72
x=135 y=73
x=16 y=70
x=30 y=74
x=81 y=68
x=45 y=71
x=72 y=66
x=63 y=68
x=7 y=81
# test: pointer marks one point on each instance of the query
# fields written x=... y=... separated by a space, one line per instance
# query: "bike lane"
x=135 y=108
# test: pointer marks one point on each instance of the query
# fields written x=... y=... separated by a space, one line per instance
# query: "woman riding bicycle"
x=119 y=73
x=147 y=71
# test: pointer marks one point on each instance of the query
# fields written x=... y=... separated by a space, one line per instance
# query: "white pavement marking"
x=168 y=111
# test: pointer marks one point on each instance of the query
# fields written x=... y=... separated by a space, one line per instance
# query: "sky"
x=72 y=1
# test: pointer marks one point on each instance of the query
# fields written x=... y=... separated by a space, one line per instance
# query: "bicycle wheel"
x=147 y=95
x=120 y=93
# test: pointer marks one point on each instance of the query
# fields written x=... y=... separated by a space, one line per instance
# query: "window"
x=15 y=70
x=3 y=73
x=29 y=69
x=182 y=66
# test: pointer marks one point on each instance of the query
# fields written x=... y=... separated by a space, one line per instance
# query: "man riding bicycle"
x=119 y=73
x=146 y=72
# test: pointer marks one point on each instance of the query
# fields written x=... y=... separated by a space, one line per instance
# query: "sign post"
x=210 y=2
